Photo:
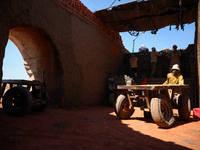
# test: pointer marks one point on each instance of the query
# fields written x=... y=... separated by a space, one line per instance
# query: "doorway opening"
x=29 y=53
x=13 y=63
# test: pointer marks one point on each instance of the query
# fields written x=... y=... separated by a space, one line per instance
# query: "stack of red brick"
x=196 y=113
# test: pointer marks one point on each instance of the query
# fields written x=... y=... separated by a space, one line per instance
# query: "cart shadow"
x=179 y=122
x=147 y=120
x=176 y=123
x=79 y=127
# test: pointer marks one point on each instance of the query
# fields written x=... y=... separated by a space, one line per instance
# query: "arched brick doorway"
x=39 y=54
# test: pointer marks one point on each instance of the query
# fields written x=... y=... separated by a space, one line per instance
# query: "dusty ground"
x=93 y=128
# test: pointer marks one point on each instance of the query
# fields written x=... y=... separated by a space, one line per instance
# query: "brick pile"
x=188 y=70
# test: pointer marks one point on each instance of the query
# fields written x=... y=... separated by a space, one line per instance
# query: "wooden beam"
x=198 y=51
x=23 y=82
x=153 y=87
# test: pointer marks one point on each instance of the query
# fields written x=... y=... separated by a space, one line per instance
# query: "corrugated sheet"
x=148 y=15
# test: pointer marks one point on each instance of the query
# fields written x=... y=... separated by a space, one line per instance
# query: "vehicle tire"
x=112 y=99
x=122 y=109
x=17 y=101
x=161 y=111
x=147 y=114
x=39 y=106
x=184 y=107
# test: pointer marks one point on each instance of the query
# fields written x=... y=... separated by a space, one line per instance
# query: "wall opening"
x=13 y=63
x=37 y=54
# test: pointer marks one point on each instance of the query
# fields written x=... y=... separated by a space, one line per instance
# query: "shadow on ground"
x=90 y=128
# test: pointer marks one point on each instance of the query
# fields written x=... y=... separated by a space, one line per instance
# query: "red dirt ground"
x=93 y=128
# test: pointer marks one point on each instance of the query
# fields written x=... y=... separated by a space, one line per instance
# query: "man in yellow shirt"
x=175 y=78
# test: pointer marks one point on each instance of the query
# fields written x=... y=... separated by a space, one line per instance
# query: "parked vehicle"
x=23 y=95
x=158 y=103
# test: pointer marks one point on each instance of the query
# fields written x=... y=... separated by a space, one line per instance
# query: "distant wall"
x=187 y=61
x=188 y=70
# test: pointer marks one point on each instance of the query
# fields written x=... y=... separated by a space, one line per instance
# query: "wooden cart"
x=23 y=95
x=158 y=102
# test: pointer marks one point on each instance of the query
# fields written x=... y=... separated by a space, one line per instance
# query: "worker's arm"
x=167 y=81
x=181 y=80
x=169 y=55
x=158 y=54
x=110 y=80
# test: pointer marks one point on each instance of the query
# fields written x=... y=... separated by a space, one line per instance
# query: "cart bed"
x=152 y=87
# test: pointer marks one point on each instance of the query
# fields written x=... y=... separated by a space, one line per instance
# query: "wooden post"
x=4 y=32
x=197 y=41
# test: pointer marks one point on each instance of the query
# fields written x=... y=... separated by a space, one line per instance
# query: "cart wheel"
x=112 y=99
x=17 y=101
x=161 y=111
x=147 y=114
x=184 y=107
x=40 y=105
x=122 y=107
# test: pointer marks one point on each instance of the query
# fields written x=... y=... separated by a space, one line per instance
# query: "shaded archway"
x=39 y=54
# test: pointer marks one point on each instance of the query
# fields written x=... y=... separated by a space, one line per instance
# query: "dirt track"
x=93 y=128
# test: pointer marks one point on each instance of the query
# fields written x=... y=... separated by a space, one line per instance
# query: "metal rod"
x=112 y=3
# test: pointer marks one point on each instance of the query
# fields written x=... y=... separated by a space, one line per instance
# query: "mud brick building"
x=64 y=38
x=78 y=48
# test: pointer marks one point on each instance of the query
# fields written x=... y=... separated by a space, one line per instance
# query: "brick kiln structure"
x=66 y=40
x=188 y=70
x=152 y=15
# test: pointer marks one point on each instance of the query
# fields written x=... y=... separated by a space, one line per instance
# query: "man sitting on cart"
x=174 y=78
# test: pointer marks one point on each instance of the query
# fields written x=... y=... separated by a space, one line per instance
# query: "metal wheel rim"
x=16 y=101
x=165 y=110
x=125 y=106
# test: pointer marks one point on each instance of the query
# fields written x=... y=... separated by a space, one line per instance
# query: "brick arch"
x=38 y=54
x=67 y=40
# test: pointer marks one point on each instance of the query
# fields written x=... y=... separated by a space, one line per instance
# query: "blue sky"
x=13 y=67
x=163 y=39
